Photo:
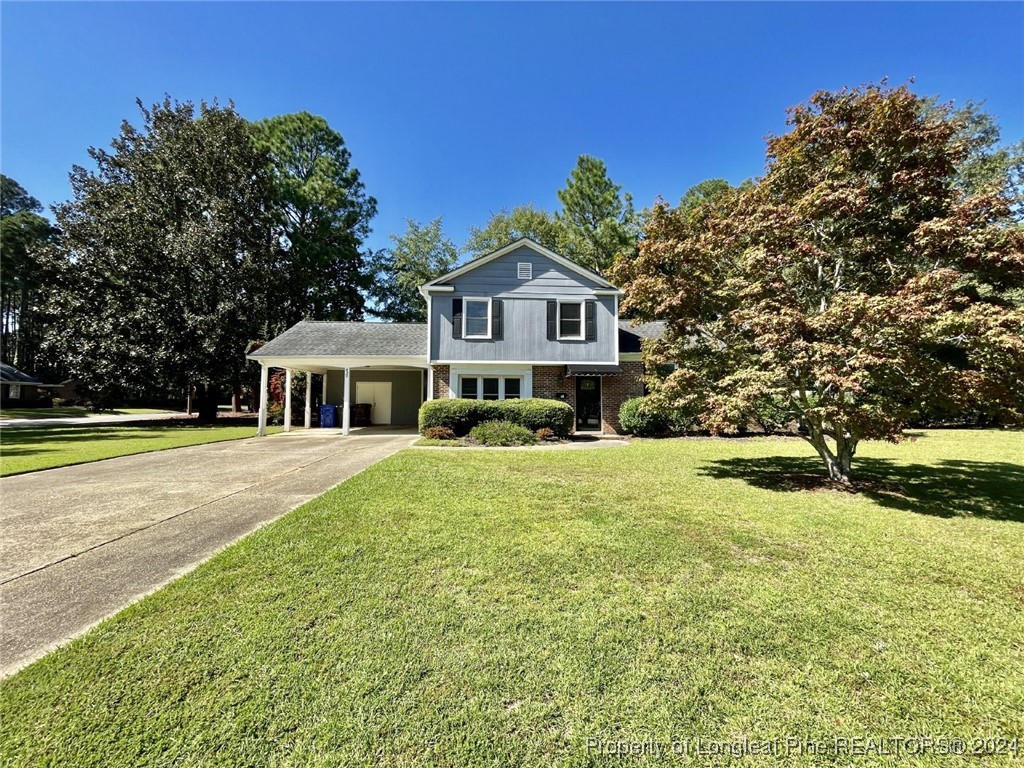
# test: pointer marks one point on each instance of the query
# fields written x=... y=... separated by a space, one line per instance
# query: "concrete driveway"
x=80 y=543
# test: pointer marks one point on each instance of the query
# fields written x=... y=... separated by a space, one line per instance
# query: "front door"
x=378 y=395
x=588 y=403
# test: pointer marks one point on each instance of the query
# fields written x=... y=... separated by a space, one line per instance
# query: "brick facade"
x=550 y=381
x=442 y=376
x=615 y=390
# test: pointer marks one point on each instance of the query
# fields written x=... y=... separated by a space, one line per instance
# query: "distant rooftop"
x=630 y=336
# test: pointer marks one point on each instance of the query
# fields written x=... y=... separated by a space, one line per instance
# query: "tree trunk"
x=206 y=403
x=838 y=462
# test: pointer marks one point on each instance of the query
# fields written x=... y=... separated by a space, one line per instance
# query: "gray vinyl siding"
x=406 y=391
x=499 y=279
x=524 y=302
x=525 y=337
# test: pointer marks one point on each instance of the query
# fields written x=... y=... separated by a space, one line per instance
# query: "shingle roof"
x=11 y=375
x=311 y=338
x=630 y=336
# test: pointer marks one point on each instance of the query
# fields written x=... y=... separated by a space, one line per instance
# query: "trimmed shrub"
x=545 y=433
x=501 y=433
x=636 y=417
x=537 y=413
x=275 y=413
x=461 y=416
x=439 y=433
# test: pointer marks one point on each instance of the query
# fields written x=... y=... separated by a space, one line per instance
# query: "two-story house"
x=520 y=322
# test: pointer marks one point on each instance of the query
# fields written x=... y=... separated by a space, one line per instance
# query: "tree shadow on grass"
x=950 y=488
x=30 y=441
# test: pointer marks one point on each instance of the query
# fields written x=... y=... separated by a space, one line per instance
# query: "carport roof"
x=312 y=338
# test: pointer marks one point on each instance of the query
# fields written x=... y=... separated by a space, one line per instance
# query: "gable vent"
x=526 y=270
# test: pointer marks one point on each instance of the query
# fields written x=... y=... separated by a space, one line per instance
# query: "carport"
x=381 y=364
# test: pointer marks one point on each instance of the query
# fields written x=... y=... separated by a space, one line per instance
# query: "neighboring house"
x=19 y=390
x=520 y=322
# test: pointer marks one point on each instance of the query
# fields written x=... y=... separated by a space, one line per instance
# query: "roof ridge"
x=363 y=322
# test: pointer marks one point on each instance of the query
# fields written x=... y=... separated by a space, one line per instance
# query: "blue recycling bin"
x=328 y=414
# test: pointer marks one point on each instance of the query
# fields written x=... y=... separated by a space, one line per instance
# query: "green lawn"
x=473 y=608
x=27 y=449
x=71 y=411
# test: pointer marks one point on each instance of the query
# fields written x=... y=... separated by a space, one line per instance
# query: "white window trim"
x=465 y=316
x=456 y=372
x=501 y=377
x=583 y=320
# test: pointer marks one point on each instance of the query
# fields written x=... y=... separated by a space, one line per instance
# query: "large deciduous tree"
x=507 y=226
x=598 y=220
x=26 y=271
x=417 y=256
x=859 y=284
x=324 y=214
x=171 y=258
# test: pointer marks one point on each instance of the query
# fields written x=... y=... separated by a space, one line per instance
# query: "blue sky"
x=462 y=109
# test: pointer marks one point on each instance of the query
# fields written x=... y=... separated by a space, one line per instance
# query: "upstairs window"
x=477 y=319
x=570 y=320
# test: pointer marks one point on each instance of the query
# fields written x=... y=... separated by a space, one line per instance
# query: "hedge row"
x=461 y=416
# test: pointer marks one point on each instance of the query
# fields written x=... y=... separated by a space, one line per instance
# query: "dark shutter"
x=496 y=319
x=591 y=307
x=456 y=318
x=552 y=320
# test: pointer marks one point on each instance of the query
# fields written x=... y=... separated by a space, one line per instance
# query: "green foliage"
x=596 y=224
x=323 y=216
x=507 y=226
x=439 y=433
x=704 y=193
x=418 y=255
x=987 y=164
x=501 y=433
x=537 y=413
x=275 y=412
x=169 y=264
x=458 y=415
x=510 y=604
x=861 y=283
x=599 y=222
x=28 y=270
x=29 y=449
x=462 y=415
x=636 y=419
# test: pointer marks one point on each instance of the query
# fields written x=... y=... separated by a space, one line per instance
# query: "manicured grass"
x=64 y=413
x=27 y=449
x=472 y=608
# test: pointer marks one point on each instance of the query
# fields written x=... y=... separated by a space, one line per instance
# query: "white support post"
x=287 y=399
x=323 y=391
x=346 y=413
x=261 y=431
x=430 y=383
x=307 y=416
